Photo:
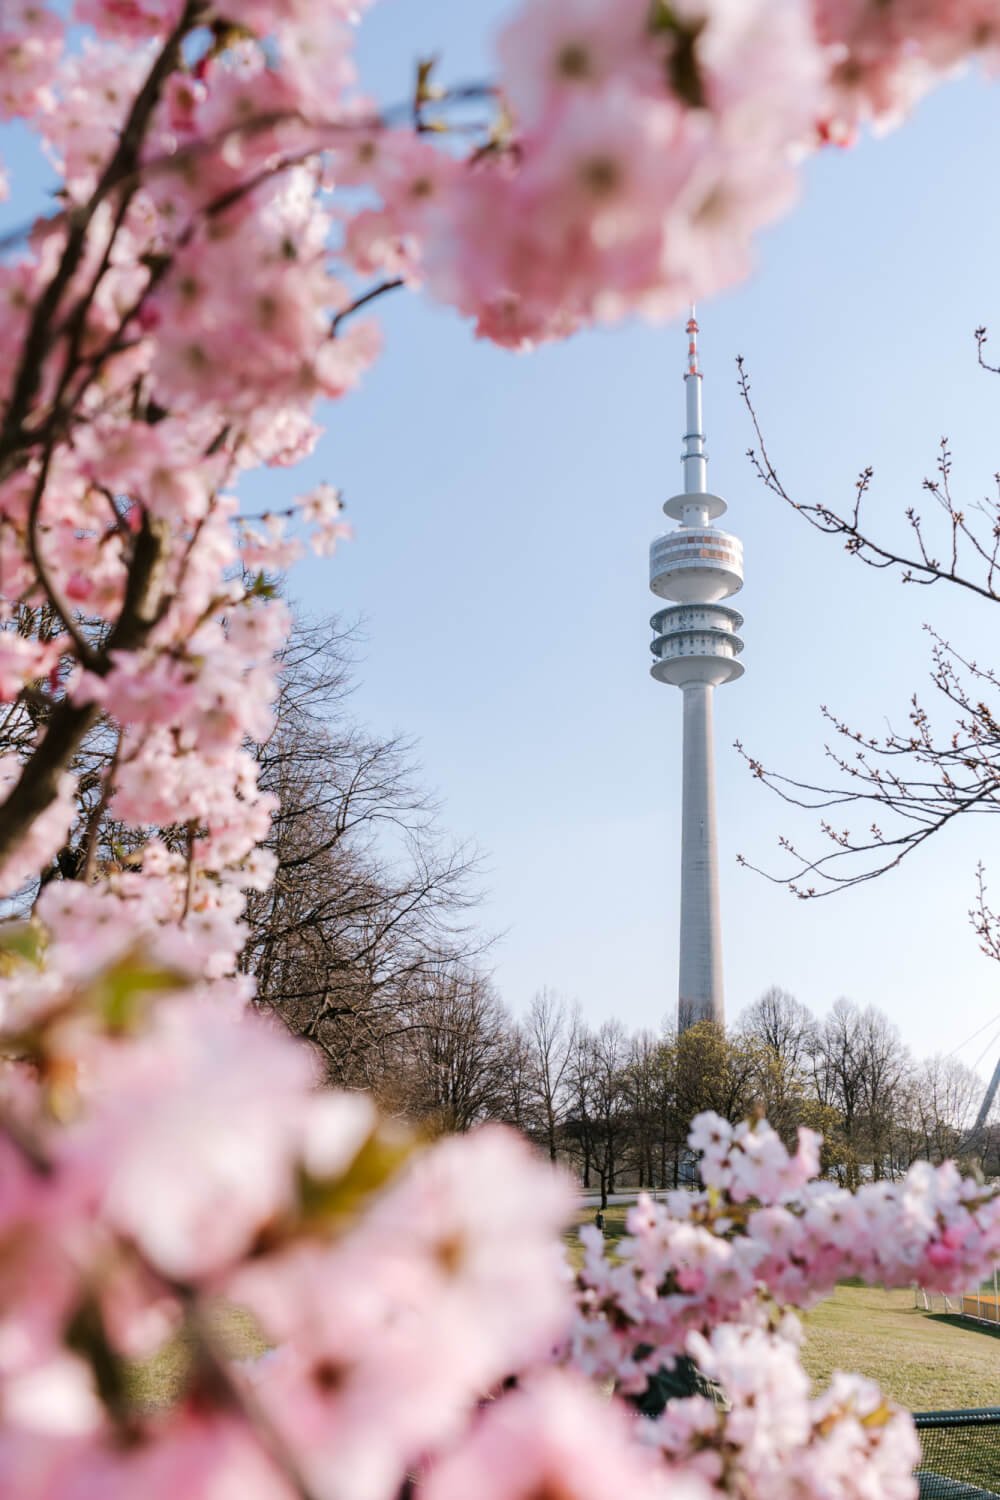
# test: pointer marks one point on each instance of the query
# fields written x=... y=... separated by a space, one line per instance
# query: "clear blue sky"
x=503 y=507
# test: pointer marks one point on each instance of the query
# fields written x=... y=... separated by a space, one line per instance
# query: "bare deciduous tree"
x=370 y=903
x=551 y=1029
x=452 y=1061
x=859 y=1070
x=946 y=1097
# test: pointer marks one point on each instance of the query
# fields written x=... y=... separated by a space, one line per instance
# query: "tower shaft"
x=695 y=648
x=700 y=991
x=988 y=1097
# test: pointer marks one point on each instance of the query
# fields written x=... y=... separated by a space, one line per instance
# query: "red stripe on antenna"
x=692 y=332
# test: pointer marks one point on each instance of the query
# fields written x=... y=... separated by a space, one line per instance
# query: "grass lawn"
x=156 y=1382
x=925 y=1361
x=614 y=1228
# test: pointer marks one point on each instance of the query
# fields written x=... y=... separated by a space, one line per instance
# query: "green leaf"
x=323 y=1201
x=683 y=72
x=86 y=1336
x=21 y=940
x=123 y=994
x=661 y=17
x=262 y=587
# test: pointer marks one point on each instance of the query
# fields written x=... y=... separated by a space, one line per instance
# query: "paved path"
x=590 y=1199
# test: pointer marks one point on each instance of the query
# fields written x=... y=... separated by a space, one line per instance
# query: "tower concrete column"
x=700 y=990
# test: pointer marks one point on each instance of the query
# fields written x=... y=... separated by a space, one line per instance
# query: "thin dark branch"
x=380 y=290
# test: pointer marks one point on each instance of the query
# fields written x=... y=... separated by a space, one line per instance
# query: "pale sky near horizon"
x=503 y=506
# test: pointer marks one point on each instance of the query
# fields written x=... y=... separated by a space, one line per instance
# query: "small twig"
x=59 y=605
x=981 y=336
x=359 y=302
x=924 y=569
x=190 y=832
x=94 y=821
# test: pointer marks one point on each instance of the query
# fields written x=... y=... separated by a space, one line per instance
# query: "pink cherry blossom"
x=773 y=1439
x=553 y=1436
x=245 y=1152
x=137 y=19
x=31 y=37
x=322 y=508
x=882 y=59
x=549 y=52
x=763 y=1234
x=229 y=202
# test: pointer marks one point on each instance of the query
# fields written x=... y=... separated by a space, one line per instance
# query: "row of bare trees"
x=850 y=1075
x=616 y=1106
x=366 y=945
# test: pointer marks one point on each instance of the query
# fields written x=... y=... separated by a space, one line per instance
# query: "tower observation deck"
x=696 y=648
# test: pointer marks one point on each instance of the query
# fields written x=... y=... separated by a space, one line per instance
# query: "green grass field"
x=614 y=1228
x=925 y=1361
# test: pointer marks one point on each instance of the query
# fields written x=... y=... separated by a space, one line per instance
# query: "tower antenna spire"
x=693 y=456
x=692 y=333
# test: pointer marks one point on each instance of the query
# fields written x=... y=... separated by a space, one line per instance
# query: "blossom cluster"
x=173 y=328
x=764 y=1234
x=883 y=58
x=171 y=1166
x=227 y=192
x=168 y=1155
x=643 y=147
x=771 y=1438
x=650 y=143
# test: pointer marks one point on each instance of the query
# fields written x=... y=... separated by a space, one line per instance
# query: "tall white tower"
x=696 y=647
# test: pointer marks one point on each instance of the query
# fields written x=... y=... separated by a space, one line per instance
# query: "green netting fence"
x=960 y=1454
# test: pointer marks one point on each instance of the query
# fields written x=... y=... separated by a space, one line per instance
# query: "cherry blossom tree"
x=908 y=785
x=231 y=205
